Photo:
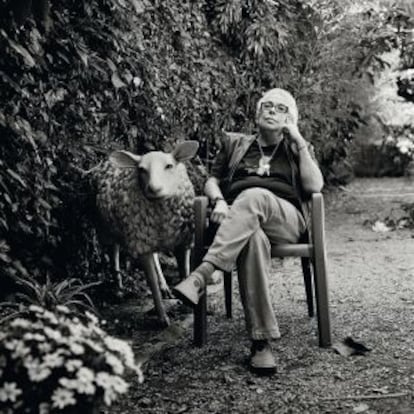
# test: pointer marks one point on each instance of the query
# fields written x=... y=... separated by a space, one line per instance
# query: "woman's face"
x=273 y=115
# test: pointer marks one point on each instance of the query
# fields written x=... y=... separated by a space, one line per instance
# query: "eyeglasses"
x=279 y=108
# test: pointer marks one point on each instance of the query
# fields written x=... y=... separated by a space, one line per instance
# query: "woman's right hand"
x=220 y=211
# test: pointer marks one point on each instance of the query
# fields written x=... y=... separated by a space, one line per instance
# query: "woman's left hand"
x=295 y=134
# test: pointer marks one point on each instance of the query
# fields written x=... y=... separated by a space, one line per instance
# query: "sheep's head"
x=159 y=172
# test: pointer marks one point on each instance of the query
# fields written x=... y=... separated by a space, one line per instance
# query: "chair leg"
x=322 y=300
x=227 y=280
x=200 y=311
x=200 y=322
x=320 y=271
x=307 y=277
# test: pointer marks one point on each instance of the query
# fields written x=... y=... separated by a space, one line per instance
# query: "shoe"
x=262 y=360
x=190 y=290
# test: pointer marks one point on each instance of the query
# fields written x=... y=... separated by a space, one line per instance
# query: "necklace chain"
x=273 y=152
x=264 y=162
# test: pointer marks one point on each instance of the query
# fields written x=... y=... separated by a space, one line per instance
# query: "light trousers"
x=256 y=220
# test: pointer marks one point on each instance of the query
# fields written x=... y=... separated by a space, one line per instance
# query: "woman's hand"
x=292 y=129
x=220 y=211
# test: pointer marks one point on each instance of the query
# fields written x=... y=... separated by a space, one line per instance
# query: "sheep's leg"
x=165 y=290
x=151 y=273
x=117 y=267
x=182 y=255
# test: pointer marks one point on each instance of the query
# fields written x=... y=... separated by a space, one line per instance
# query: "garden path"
x=372 y=300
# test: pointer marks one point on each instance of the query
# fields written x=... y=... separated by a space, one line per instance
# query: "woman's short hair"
x=278 y=95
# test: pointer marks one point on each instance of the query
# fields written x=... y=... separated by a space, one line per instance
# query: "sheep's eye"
x=142 y=171
x=169 y=166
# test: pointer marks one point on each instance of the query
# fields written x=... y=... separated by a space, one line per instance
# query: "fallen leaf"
x=349 y=347
x=382 y=390
x=360 y=408
x=359 y=348
x=116 y=81
x=380 y=227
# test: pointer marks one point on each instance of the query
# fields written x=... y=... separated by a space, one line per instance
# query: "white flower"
x=11 y=345
x=76 y=348
x=37 y=372
x=94 y=346
x=92 y=317
x=80 y=386
x=109 y=396
x=34 y=337
x=53 y=334
x=73 y=364
x=103 y=379
x=119 y=384
x=115 y=363
x=53 y=360
x=122 y=348
x=20 y=323
x=83 y=383
x=77 y=330
x=44 y=408
x=9 y=392
x=45 y=347
x=50 y=316
x=111 y=385
x=85 y=375
x=20 y=351
x=111 y=382
x=63 y=309
x=62 y=398
x=35 y=308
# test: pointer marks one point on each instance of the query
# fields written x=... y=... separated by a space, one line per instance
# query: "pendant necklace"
x=264 y=162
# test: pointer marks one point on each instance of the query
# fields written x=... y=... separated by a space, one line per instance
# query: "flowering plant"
x=398 y=152
x=52 y=362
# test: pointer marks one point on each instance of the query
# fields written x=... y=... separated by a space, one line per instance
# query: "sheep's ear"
x=185 y=150
x=124 y=159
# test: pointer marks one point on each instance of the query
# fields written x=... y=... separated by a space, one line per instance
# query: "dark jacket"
x=235 y=146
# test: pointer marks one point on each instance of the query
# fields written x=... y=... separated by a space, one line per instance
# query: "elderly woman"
x=267 y=178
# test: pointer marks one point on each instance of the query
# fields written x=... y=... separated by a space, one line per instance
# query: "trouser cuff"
x=260 y=335
x=219 y=264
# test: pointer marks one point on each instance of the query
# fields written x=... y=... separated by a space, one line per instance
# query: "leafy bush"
x=53 y=362
x=392 y=156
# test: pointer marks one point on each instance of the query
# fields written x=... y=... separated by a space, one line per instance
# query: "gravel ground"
x=371 y=276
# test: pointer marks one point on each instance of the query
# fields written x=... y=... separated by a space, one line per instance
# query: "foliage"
x=392 y=156
x=404 y=21
x=51 y=362
x=141 y=75
x=68 y=292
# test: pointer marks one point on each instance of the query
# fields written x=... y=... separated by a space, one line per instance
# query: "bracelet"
x=217 y=199
x=302 y=147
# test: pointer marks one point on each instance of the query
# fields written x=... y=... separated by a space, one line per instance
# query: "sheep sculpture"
x=145 y=203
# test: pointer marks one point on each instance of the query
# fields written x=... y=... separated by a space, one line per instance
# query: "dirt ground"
x=371 y=279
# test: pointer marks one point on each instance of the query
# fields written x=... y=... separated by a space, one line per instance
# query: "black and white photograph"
x=206 y=207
